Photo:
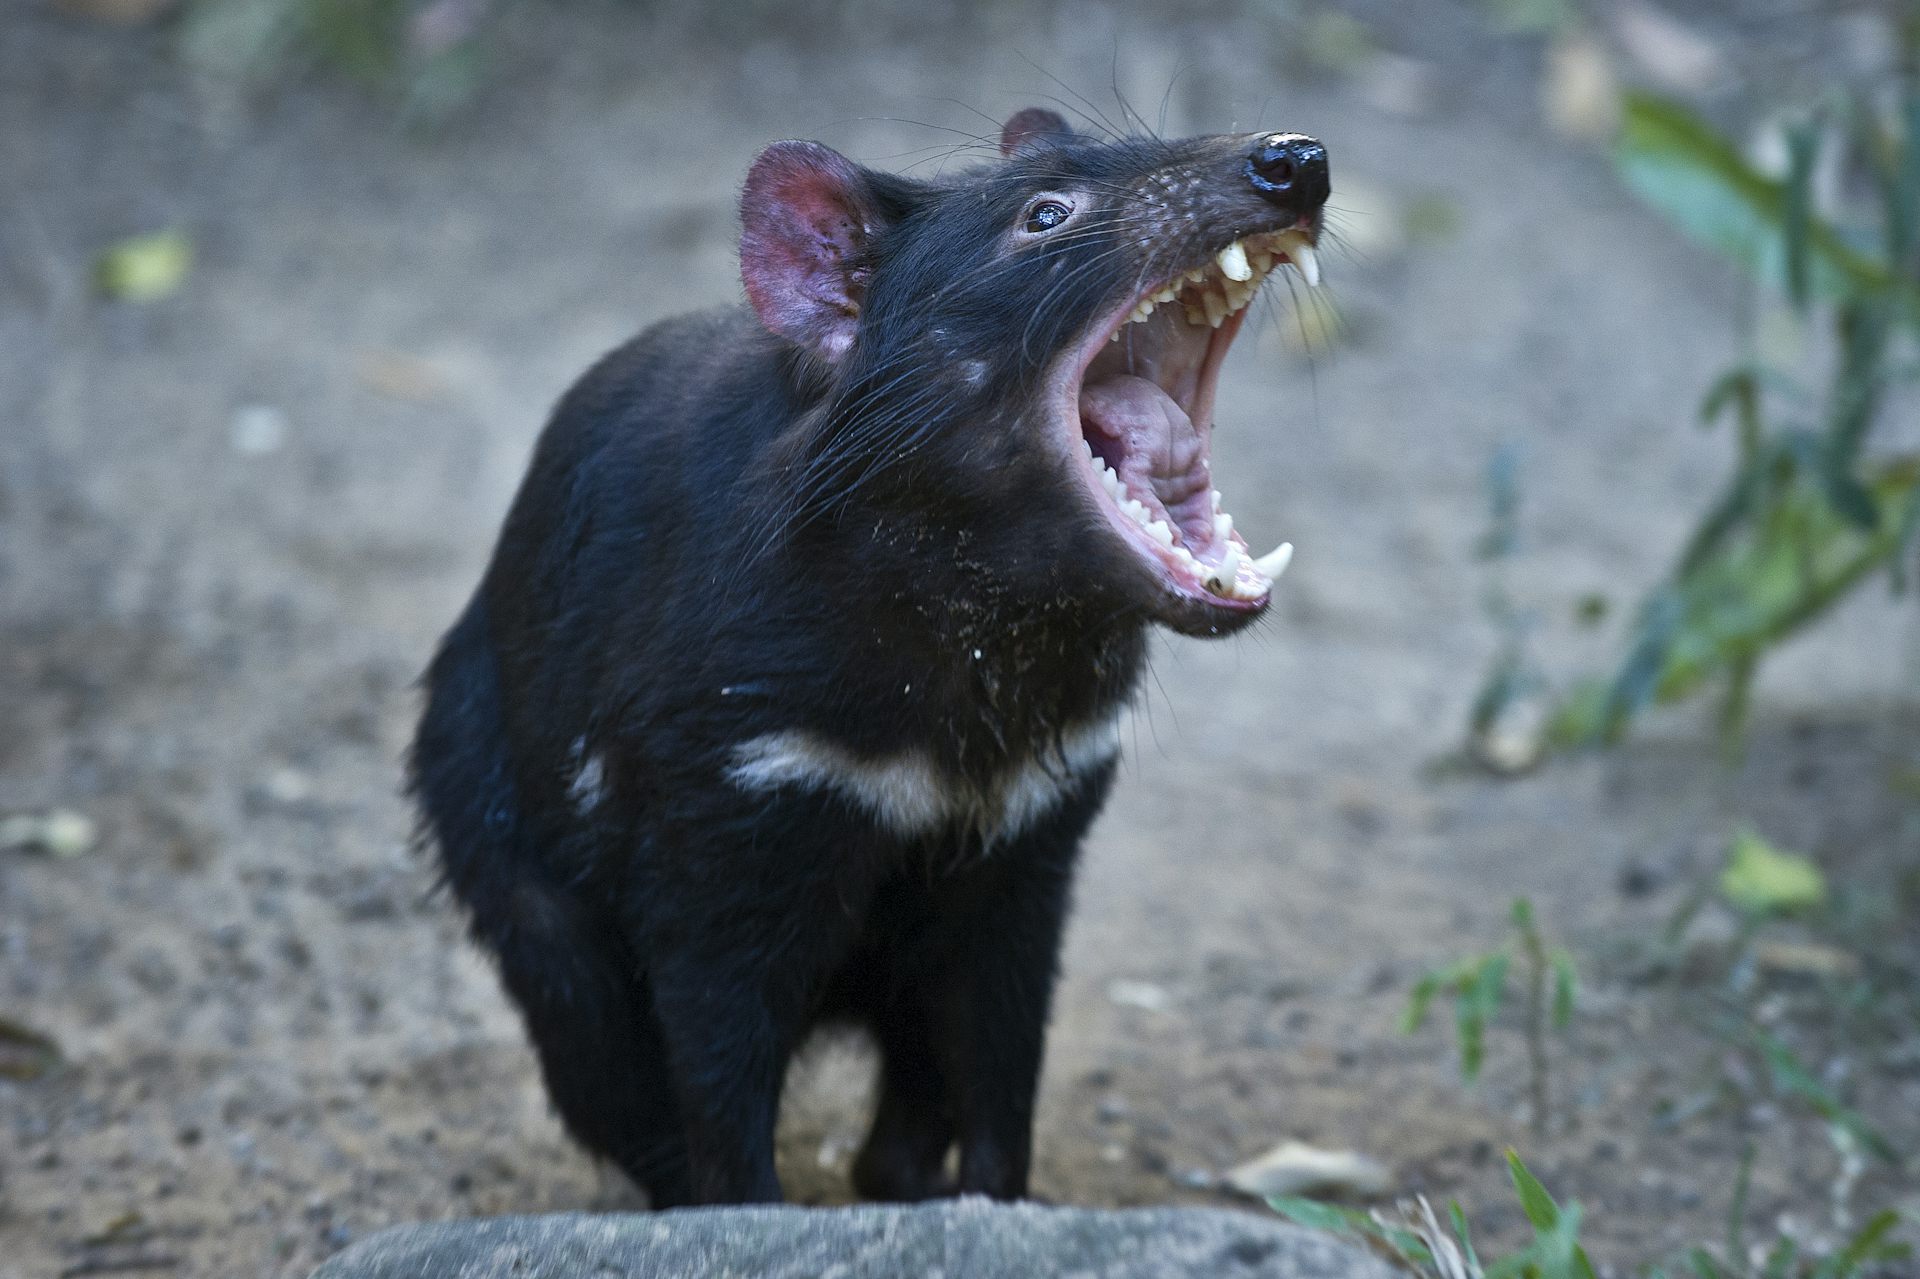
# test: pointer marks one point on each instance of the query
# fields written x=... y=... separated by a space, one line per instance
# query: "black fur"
x=723 y=535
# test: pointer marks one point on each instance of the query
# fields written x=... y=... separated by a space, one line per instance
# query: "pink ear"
x=805 y=215
x=1031 y=125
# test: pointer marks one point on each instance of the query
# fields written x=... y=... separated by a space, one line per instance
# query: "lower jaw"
x=1208 y=617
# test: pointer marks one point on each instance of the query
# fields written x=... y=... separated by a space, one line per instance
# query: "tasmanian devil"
x=792 y=685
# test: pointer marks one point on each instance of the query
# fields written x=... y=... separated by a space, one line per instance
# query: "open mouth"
x=1142 y=389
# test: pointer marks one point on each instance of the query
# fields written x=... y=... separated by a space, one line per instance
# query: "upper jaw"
x=1164 y=505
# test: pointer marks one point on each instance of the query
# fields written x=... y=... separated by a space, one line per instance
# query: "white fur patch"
x=910 y=795
x=589 y=785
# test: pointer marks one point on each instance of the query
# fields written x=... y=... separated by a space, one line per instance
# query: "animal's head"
x=1026 y=352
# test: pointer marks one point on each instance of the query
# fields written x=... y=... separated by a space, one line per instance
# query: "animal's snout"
x=1289 y=170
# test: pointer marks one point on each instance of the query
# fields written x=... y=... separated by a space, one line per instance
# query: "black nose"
x=1290 y=170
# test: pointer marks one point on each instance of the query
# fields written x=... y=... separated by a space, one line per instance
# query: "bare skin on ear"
x=805 y=218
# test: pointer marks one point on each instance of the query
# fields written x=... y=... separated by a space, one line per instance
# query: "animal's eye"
x=1047 y=214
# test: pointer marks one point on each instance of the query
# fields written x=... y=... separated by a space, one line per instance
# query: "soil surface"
x=234 y=522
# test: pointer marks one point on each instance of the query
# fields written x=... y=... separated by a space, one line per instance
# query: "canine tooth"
x=1233 y=262
x=1216 y=308
x=1274 y=563
x=1230 y=566
x=1222 y=526
x=1308 y=261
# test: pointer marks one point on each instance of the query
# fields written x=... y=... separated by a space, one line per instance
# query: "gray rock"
x=959 y=1239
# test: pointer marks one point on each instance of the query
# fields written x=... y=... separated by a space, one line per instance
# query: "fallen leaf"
x=58 y=833
x=1295 y=1168
x=25 y=1053
x=1140 y=994
x=1674 y=54
x=1805 y=959
x=145 y=268
x=403 y=377
x=257 y=430
x=1579 y=91
x=1761 y=879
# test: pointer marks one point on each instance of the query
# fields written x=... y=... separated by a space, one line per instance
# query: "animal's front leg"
x=991 y=1007
x=741 y=943
x=729 y=1051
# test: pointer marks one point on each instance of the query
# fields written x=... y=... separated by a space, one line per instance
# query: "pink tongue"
x=1151 y=442
x=1136 y=412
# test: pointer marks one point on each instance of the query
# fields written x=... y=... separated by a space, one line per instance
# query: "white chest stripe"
x=910 y=795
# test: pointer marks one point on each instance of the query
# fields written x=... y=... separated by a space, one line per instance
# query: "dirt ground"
x=233 y=523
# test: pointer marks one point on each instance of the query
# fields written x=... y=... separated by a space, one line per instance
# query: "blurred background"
x=1568 y=801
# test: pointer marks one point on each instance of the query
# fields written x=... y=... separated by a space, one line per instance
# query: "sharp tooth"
x=1308 y=261
x=1229 y=568
x=1274 y=563
x=1222 y=526
x=1233 y=262
x=1216 y=308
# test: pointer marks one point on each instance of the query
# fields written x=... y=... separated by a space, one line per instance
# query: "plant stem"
x=1536 y=1021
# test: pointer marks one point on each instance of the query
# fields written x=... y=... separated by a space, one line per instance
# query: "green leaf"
x=1704 y=1266
x=144 y=268
x=1419 y=1001
x=1465 y=1233
x=1865 y=1248
x=1779 y=1264
x=1761 y=879
x=1471 y=1024
x=1478 y=1002
x=1790 y=1077
x=1803 y=147
x=1312 y=1214
x=1581 y=717
x=1565 y=987
x=1680 y=164
x=1539 y=1206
